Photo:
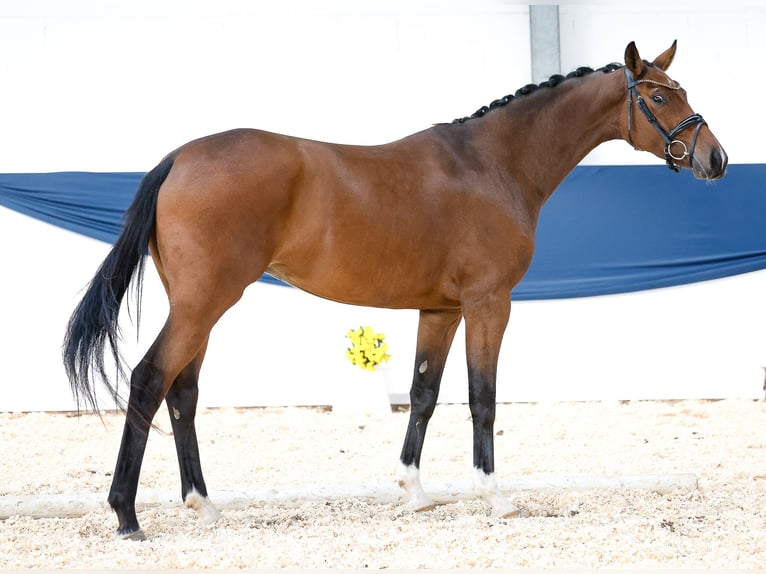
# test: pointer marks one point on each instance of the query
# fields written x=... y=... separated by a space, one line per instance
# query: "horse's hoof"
x=209 y=515
x=205 y=509
x=506 y=510
x=422 y=506
x=420 y=501
x=137 y=535
x=409 y=480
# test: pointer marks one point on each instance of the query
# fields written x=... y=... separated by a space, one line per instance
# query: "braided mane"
x=552 y=82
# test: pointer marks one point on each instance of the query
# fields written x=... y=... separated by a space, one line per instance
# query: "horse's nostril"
x=716 y=160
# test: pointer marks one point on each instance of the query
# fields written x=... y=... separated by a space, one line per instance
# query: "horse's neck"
x=544 y=135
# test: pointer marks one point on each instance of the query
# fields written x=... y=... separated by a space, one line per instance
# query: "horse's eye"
x=658 y=99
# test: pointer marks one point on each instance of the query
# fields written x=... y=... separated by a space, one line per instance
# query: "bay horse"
x=449 y=212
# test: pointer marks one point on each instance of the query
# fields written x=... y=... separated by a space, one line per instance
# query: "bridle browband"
x=669 y=137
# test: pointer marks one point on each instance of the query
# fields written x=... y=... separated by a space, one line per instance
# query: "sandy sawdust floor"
x=719 y=524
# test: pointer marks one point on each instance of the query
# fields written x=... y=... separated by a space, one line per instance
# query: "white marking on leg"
x=205 y=510
x=409 y=480
x=176 y=414
x=423 y=367
x=486 y=488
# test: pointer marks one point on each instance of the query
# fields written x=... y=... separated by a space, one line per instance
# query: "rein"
x=669 y=137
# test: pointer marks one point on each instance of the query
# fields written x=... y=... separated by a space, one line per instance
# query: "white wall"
x=113 y=86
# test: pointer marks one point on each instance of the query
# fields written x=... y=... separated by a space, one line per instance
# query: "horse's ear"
x=664 y=60
x=633 y=60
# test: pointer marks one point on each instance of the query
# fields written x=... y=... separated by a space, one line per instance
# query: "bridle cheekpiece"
x=675 y=150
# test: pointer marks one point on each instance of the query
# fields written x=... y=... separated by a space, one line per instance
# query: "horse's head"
x=659 y=119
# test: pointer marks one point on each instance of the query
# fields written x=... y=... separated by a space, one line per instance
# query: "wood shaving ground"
x=721 y=524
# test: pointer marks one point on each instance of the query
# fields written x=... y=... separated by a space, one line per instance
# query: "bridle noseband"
x=669 y=137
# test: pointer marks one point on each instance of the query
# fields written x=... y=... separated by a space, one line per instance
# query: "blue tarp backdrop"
x=607 y=229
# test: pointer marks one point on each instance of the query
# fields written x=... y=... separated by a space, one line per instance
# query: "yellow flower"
x=368 y=348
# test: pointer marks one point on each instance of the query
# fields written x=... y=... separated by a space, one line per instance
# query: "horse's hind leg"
x=181 y=401
x=181 y=339
x=146 y=393
x=436 y=330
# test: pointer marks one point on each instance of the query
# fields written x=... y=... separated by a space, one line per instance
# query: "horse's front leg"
x=436 y=330
x=486 y=321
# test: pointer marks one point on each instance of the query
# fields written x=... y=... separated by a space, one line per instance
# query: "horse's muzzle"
x=709 y=164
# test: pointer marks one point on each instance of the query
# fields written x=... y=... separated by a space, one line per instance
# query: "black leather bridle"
x=670 y=137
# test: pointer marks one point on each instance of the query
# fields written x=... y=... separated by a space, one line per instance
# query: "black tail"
x=95 y=320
